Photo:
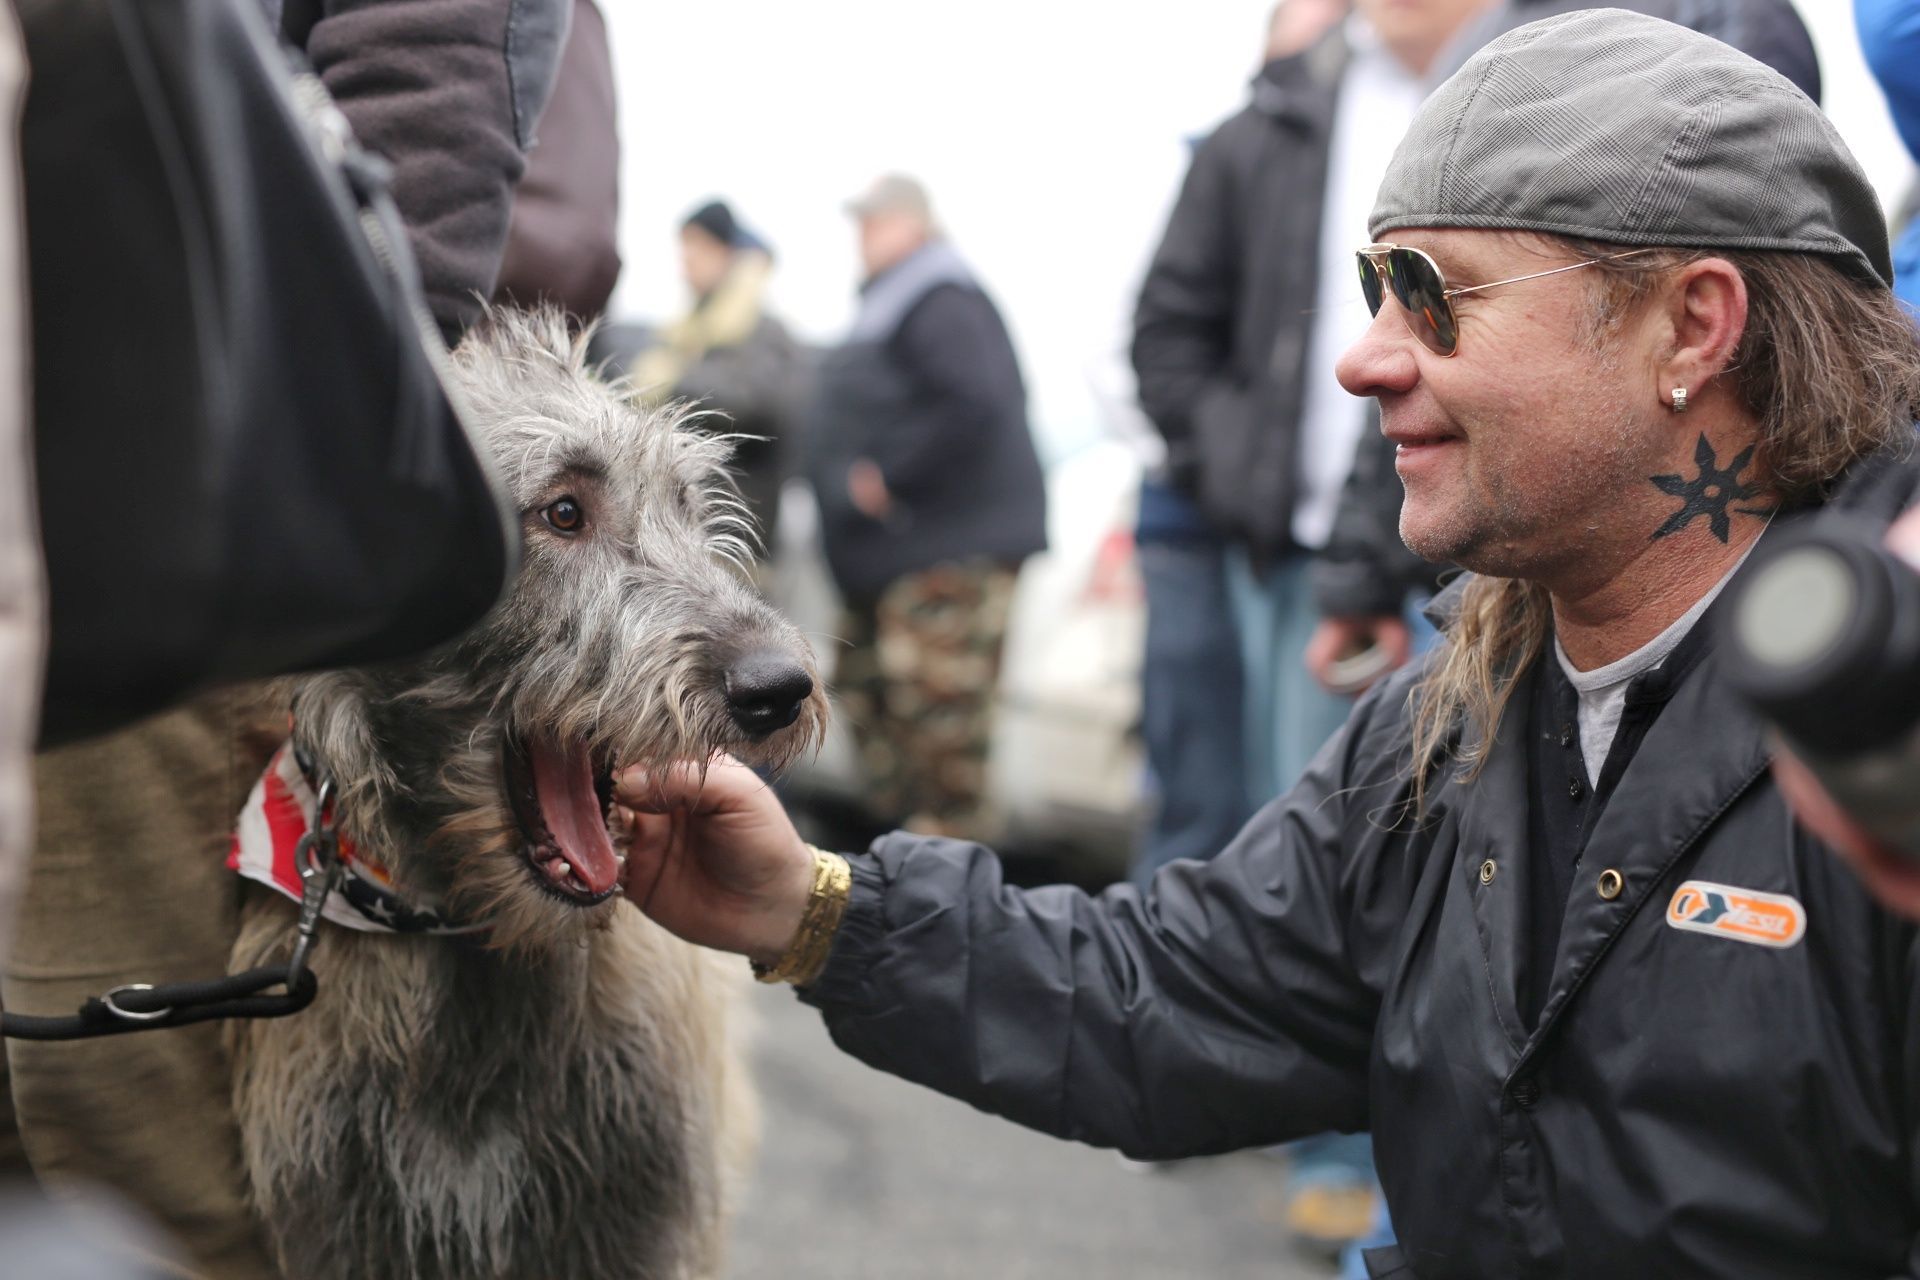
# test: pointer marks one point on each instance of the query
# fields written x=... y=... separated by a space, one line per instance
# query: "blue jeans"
x=1191 y=696
x=1289 y=717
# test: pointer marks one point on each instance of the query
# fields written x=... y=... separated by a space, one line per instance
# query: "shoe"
x=1331 y=1214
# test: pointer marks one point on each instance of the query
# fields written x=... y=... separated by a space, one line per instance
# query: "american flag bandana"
x=277 y=814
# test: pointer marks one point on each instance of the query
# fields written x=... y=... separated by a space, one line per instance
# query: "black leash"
x=142 y=1006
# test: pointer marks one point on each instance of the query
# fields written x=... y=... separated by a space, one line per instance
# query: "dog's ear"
x=332 y=725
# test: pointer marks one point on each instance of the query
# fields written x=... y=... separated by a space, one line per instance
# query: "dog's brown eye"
x=565 y=516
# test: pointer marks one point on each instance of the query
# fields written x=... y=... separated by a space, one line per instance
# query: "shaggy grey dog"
x=556 y=1095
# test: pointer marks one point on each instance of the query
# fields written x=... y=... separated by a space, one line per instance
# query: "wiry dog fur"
x=559 y=1098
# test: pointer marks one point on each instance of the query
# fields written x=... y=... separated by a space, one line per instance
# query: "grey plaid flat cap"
x=1615 y=126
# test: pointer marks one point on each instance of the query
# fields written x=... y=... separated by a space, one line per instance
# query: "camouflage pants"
x=917 y=687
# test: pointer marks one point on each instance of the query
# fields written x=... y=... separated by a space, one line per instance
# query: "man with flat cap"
x=931 y=495
x=1538 y=916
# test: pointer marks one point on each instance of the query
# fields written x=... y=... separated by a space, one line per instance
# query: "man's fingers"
x=1323 y=647
x=682 y=785
x=650 y=791
x=647 y=854
x=652 y=832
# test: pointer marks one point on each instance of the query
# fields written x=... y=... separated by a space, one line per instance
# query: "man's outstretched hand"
x=1339 y=638
x=713 y=856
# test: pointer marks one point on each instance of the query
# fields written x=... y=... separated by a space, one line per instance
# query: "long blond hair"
x=1828 y=365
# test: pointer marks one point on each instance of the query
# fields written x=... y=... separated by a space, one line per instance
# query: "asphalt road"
x=863 y=1177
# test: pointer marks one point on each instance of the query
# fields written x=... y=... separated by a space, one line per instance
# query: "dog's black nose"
x=764 y=692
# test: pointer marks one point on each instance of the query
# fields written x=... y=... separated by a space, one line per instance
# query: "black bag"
x=248 y=461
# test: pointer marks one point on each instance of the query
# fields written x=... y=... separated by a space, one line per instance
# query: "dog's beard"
x=528 y=845
x=501 y=871
x=516 y=795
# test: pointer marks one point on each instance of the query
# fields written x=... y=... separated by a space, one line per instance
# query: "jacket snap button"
x=1486 y=871
x=1526 y=1092
x=1611 y=883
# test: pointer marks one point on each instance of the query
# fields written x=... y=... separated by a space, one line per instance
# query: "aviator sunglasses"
x=1415 y=281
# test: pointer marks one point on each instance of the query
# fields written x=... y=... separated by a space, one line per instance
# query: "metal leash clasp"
x=317 y=858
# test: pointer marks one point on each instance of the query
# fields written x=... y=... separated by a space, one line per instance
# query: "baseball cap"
x=1617 y=126
x=892 y=193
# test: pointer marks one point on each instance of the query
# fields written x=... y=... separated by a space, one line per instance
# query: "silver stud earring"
x=1679 y=399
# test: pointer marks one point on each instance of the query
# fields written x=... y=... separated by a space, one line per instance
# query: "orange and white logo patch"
x=1745 y=915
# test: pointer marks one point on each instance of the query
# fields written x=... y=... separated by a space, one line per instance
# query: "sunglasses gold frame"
x=1375 y=257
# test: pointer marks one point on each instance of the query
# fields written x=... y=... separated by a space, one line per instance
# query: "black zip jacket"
x=1224 y=319
x=1692 y=1102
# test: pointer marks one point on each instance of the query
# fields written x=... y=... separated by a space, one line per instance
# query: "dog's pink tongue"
x=563 y=780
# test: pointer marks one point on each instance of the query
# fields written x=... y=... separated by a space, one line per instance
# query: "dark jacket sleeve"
x=448 y=91
x=956 y=349
x=1183 y=322
x=1365 y=571
x=562 y=241
x=1225 y=1008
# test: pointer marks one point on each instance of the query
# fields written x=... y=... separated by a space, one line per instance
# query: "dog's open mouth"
x=560 y=793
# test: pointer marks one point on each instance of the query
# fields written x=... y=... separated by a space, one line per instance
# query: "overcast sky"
x=1050 y=132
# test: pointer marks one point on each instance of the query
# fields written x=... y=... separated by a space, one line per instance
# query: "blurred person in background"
x=128 y=881
x=1770 y=31
x=1237 y=326
x=1890 y=37
x=728 y=353
x=1191 y=687
x=1295 y=26
x=930 y=496
x=1244 y=310
x=1364 y=576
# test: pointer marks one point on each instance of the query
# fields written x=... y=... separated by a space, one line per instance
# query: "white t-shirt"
x=1603 y=690
x=1377 y=101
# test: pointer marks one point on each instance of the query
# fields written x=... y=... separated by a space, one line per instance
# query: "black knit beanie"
x=716 y=220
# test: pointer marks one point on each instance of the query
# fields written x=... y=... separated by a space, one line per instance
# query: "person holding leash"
x=1539 y=915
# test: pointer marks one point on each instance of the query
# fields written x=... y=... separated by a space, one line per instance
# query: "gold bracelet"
x=806 y=955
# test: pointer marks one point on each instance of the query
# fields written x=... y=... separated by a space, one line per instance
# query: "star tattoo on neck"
x=1710 y=493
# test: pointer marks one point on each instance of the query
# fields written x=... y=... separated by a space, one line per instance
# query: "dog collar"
x=277 y=814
